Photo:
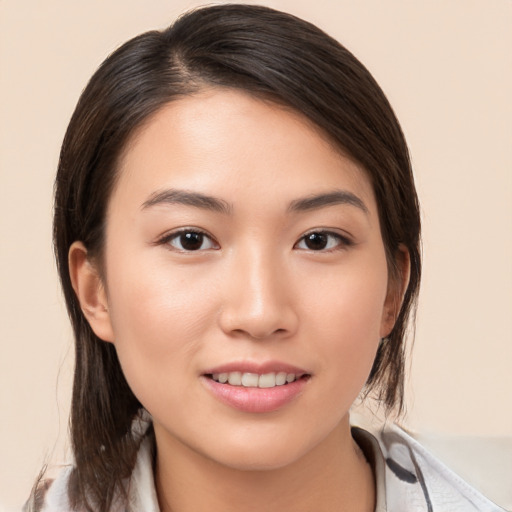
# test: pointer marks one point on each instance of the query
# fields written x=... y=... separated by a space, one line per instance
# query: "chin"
x=261 y=453
x=257 y=459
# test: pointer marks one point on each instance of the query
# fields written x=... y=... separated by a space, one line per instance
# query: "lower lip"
x=256 y=400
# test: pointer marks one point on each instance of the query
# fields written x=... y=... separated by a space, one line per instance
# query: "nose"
x=258 y=298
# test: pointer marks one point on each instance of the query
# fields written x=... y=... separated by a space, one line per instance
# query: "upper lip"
x=260 y=368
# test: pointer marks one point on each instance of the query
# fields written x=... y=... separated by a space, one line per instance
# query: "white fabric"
x=413 y=480
x=408 y=479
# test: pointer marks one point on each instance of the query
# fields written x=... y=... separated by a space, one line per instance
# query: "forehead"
x=229 y=143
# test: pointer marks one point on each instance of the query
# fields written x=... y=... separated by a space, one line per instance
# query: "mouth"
x=255 y=388
x=256 y=380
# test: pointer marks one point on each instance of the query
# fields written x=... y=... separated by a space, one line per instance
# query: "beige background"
x=447 y=69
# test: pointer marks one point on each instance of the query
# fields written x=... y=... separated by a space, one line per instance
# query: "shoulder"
x=416 y=480
x=50 y=494
x=137 y=493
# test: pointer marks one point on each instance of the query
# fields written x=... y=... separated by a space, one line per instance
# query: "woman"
x=237 y=235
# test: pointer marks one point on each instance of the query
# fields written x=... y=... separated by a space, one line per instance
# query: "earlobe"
x=90 y=291
x=397 y=287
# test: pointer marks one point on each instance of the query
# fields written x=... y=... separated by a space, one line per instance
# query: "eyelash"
x=175 y=235
x=341 y=242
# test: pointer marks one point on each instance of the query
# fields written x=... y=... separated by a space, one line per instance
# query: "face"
x=242 y=247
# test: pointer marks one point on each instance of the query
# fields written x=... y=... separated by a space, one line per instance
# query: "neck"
x=334 y=476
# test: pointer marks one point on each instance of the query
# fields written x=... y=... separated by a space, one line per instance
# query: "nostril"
x=266 y=321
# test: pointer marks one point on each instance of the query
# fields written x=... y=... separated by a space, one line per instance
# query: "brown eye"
x=316 y=241
x=190 y=241
x=322 y=241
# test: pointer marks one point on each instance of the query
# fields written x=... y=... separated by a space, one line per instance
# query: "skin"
x=254 y=291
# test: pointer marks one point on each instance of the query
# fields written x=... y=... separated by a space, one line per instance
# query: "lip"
x=255 y=367
x=256 y=400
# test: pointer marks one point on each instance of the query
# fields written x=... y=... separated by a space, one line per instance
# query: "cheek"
x=349 y=314
x=149 y=293
x=158 y=319
x=350 y=302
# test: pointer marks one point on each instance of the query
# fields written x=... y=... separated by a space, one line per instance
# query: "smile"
x=255 y=380
x=256 y=388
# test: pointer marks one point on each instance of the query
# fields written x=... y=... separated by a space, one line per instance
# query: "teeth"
x=268 y=380
x=280 y=378
x=250 y=380
x=254 y=380
x=235 y=378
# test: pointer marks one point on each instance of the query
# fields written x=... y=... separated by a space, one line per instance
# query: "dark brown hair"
x=266 y=53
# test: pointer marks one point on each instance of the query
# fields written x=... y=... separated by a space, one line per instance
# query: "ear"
x=90 y=291
x=397 y=286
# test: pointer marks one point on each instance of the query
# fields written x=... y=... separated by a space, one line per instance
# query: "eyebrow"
x=188 y=198
x=205 y=202
x=335 y=197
